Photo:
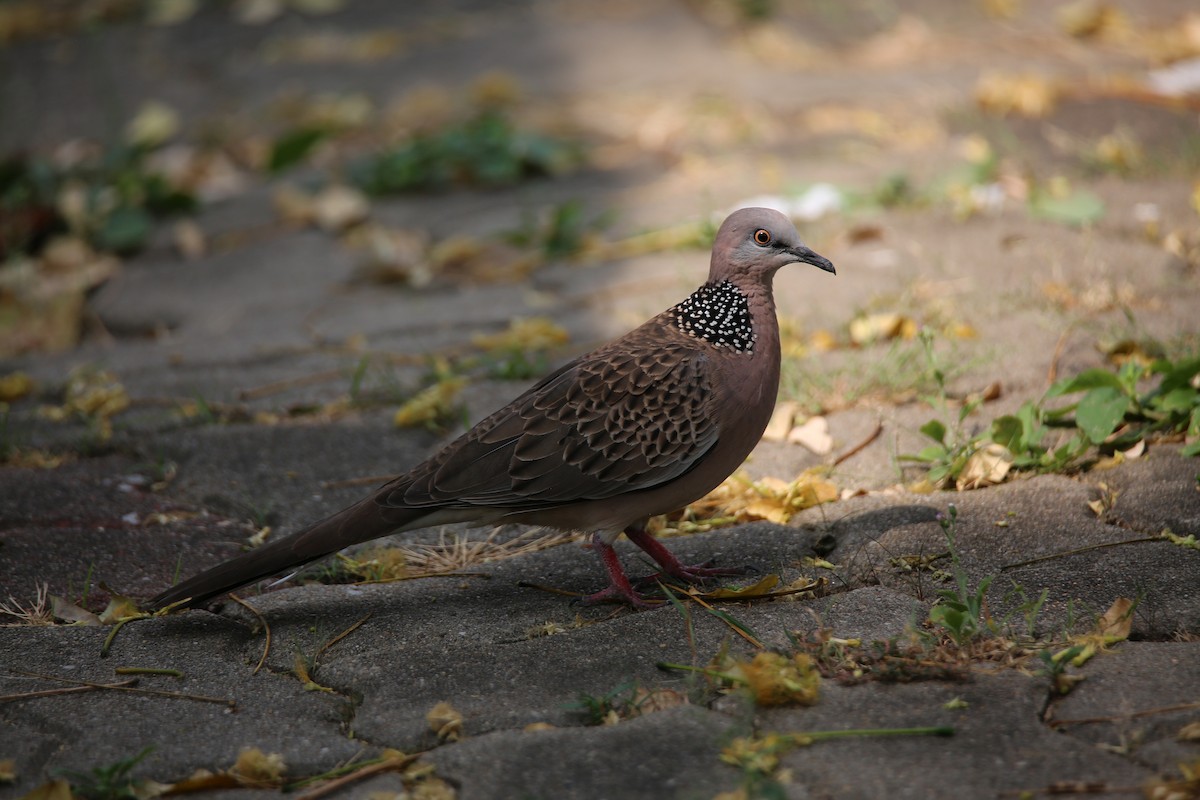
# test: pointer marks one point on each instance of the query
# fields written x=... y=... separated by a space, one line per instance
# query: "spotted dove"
x=641 y=426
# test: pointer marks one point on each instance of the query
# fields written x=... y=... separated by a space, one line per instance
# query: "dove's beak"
x=802 y=253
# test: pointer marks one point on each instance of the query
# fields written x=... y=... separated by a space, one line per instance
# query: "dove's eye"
x=762 y=236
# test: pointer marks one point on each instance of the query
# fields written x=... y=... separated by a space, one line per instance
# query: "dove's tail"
x=360 y=522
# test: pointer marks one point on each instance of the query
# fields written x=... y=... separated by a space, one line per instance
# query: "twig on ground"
x=266 y=630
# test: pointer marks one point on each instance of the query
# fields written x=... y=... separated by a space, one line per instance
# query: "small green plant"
x=897 y=190
x=294 y=146
x=1030 y=607
x=1054 y=667
x=946 y=458
x=112 y=782
x=374 y=384
x=485 y=150
x=564 y=232
x=599 y=709
x=111 y=201
x=962 y=611
x=1112 y=415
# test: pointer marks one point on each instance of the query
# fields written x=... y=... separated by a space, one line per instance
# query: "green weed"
x=962 y=611
x=485 y=150
x=1111 y=415
x=597 y=709
x=111 y=782
x=114 y=199
x=563 y=232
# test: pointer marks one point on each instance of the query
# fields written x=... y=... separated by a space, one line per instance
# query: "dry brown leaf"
x=445 y=722
x=338 y=207
x=1177 y=40
x=987 y=466
x=57 y=789
x=781 y=421
x=208 y=173
x=432 y=788
x=393 y=255
x=1189 y=732
x=871 y=328
x=1026 y=95
x=1116 y=623
x=424 y=108
x=496 y=89
x=1118 y=458
x=257 y=12
x=905 y=42
x=164 y=13
x=203 y=780
x=1085 y=19
x=779 y=47
x=472 y=259
x=294 y=205
x=190 y=240
x=647 y=701
x=813 y=435
x=69 y=612
x=42 y=302
x=1112 y=627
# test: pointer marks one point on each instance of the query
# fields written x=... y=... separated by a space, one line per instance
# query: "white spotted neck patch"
x=718 y=313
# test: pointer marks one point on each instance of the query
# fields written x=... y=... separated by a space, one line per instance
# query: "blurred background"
x=257 y=246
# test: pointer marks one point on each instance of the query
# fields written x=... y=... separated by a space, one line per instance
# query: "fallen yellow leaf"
x=1026 y=95
x=256 y=768
x=154 y=124
x=526 y=335
x=775 y=679
x=758 y=589
x=431 y=404
x=445 y=721
x=14 y=386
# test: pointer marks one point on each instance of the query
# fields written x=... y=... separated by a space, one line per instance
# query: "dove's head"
x=755 y=242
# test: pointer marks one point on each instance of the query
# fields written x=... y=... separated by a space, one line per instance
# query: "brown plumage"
x=641 y=426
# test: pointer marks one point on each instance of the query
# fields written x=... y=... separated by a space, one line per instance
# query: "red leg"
x=620 y=590
x=670 y=564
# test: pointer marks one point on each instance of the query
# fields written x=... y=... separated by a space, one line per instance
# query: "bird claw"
x=691 y=573
x=620 y=589
x=617 y=594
